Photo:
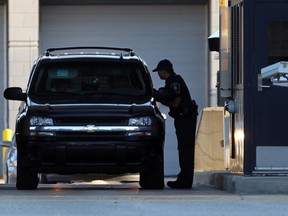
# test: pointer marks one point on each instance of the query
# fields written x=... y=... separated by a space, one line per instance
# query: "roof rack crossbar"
x=130 y=51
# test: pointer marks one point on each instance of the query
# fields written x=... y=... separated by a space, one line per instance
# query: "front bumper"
x=108 y=157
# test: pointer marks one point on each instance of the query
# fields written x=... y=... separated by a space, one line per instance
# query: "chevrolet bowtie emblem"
x=91 y=128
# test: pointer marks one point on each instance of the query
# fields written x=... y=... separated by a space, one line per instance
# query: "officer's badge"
x=176 y=87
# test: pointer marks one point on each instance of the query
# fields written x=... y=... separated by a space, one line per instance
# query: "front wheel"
x=26 y=180
x=153 y=179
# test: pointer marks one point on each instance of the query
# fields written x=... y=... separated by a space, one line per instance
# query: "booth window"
x=277 y=41
x=236 y=43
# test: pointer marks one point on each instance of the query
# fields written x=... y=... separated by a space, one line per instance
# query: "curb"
x=240 y=184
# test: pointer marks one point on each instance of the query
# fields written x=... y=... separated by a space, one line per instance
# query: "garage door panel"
x=118 y=21
x=2 y=66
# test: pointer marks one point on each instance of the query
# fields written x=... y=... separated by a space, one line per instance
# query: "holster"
x=182 y=112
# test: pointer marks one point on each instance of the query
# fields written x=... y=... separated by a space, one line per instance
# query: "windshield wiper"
x=112 y=94
x=58 y=93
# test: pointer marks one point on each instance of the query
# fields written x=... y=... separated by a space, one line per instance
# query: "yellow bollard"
x=7 y=135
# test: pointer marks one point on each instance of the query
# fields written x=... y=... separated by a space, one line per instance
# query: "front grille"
x=79 y=135
x=79 y=121
x=91 y=134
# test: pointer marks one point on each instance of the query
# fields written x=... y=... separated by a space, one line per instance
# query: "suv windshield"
x=74 y=78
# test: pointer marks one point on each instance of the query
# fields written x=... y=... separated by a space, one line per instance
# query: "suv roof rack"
x=49 y=51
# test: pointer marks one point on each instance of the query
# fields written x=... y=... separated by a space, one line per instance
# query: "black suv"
x=89 y=110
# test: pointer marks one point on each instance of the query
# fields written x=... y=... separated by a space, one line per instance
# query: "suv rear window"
x=90 y=77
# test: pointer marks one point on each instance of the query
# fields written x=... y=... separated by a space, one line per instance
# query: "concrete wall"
x=23 y=40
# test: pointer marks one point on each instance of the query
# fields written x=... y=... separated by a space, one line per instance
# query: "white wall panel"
x=2 y=67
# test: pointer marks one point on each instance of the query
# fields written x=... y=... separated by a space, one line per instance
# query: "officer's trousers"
x=185 y=132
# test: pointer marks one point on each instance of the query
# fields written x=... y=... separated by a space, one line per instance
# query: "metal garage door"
x=155 y=32
x=3 y=84
x=2 y=67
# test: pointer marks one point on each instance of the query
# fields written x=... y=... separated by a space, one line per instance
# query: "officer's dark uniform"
x=185 y=120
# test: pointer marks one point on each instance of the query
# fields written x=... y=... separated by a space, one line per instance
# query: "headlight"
x=140 y=121
x=41 y=121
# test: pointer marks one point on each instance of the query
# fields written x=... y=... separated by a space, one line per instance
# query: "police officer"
x=184 y=111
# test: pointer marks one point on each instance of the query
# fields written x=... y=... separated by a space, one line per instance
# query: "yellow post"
x=7 y=135
x=223 y=3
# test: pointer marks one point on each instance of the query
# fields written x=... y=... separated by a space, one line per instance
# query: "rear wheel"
x=6 y=176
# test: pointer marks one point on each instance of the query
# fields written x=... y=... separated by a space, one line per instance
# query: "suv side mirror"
x=164 y=93
x=14 y=93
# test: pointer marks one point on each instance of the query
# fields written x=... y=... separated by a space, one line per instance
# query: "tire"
x=26 y=180
x=7 y=176
x=153 y=179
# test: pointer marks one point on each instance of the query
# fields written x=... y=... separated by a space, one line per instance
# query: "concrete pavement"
x=233 y=183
